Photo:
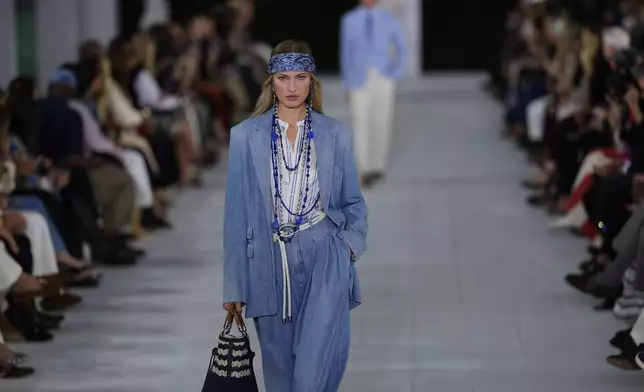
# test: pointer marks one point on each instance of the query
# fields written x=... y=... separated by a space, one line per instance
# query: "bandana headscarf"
x=285 y=62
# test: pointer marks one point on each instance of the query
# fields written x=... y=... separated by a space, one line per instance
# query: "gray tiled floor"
x=463 y=283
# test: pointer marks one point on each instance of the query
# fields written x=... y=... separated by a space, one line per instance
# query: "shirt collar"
x=370 y=10
x=284 y=124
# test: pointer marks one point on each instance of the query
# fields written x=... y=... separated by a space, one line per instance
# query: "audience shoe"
x=60 y=302
x=26 y=324
x=538 y=200
x=593 y=250
x=583 y=284
x=85 y=277
x=639 y=359
x=580 y=282
x=9 y=332
x=50 y=321
x=533 y=185
x=19 y=358
x=624 y=361
x=591 y=267
x=606 y=305
x=623 y=341
x=210 y=157
x=151 y=221
x=122 y=243
x=122 y=257
x=10 y=371
x=369 y=180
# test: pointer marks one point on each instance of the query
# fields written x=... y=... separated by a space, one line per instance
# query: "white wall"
x=58 y=35
x=413 y=22
x=62 y=25
x=9 y=61
x=156 y=11
x=410 y=14
x=98 y=19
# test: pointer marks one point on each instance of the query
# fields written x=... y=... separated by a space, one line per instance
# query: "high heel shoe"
x=59 y=302
x=9 y=356
x=11 y=371
x=84 y=277
x=19 y=358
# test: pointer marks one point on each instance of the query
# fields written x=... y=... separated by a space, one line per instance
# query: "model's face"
x=292 y=88
x=368 y=3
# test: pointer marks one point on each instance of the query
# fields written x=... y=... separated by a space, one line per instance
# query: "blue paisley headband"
x=291 y=62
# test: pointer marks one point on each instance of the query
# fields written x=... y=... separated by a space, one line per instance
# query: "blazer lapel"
x=260 y=149
x=325 y=154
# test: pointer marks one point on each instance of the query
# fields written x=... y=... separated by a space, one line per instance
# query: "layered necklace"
x=286 y=221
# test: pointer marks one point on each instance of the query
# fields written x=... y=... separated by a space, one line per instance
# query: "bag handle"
x=233 y=314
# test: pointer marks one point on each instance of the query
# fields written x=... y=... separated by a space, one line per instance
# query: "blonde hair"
x=266 y=99
x=146 y=51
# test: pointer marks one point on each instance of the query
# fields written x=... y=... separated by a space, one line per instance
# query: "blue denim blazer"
x=249 y=257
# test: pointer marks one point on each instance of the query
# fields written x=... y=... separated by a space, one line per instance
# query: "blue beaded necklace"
x=286 y=230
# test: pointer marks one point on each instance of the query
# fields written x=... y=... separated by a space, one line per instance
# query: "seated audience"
x=95 y=163
x=574 y=86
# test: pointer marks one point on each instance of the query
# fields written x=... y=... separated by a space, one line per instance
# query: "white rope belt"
x=286 y=276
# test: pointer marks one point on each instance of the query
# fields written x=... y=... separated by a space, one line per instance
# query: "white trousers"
x=536 y=112
x=372 y=110
x=9 y=271
x=136 y=168
x=42 y=246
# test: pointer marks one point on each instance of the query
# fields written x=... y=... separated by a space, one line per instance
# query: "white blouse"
x=150 y=95
x=291 y=186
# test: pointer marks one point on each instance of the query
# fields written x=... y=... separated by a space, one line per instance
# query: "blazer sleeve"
x=402 y=51
x=352 y=203
x=235 y=261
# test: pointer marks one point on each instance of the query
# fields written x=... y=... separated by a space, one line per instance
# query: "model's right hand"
x=238 y=306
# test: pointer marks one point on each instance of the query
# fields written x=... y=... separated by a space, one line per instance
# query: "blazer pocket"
x=250 y=250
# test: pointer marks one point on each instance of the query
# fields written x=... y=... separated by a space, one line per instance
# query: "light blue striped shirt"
x=371 y=38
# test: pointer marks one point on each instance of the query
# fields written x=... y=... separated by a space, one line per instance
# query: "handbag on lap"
x=231 y=365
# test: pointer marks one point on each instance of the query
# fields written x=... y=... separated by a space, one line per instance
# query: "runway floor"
x=463 y=284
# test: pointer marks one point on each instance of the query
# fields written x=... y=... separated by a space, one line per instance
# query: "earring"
x=311 y=94
x=274 y=95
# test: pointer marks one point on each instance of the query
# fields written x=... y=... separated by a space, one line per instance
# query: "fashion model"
x=373 y=57
x=295 y=224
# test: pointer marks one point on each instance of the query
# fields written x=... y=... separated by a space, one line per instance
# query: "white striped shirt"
x=291 y=188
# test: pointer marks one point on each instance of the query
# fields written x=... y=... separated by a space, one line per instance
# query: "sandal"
x=86 y=278
x=10 y=371
x=81 y=277
x=19 y=358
